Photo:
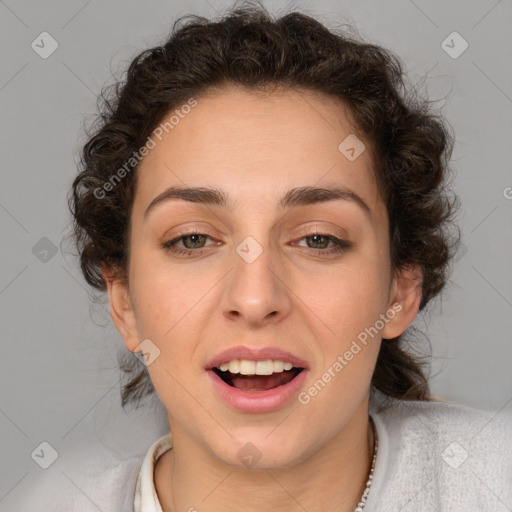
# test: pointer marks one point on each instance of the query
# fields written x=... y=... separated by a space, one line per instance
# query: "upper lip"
x=255 y=354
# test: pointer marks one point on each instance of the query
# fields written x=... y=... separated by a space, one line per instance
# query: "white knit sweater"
x=432 y=457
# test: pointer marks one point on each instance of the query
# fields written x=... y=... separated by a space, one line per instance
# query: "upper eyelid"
x=309 y=230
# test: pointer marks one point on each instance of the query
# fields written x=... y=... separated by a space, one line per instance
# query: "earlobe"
x=405 y=299
x=121 y=308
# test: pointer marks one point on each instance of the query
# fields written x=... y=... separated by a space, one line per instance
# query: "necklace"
x=362 y=501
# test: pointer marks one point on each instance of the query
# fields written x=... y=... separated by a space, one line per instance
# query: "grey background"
x=59 y=381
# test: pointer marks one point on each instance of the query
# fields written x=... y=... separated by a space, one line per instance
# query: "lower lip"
x=257 y=401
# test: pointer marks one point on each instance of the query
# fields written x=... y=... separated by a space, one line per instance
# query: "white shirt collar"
x=146 y=498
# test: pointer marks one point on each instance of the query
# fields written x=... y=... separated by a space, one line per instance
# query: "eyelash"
x=340 y=245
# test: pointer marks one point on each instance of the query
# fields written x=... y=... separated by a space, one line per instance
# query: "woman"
x=266 y=206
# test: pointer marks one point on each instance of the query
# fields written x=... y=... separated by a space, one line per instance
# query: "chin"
x=261 y=452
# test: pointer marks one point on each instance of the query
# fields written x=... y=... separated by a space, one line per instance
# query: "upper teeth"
x=247 y=367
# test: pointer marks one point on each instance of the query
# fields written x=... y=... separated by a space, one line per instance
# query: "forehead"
x=257 y=144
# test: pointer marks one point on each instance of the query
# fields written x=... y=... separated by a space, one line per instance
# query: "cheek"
x=165 y=295
x=347 y=298
x=347 y=307
x=168 y=312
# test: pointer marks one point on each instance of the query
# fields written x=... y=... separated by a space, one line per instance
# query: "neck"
x=332 y=479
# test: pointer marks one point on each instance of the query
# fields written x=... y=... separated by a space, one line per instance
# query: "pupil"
x=191 y=237
x=316 y=237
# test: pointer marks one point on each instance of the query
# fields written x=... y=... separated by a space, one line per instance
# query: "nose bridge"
x=256 y=291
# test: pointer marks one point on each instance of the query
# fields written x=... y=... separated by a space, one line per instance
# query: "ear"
x=121 y=308
x=405 y=298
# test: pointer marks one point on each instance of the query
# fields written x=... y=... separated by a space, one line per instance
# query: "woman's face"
x=256 y=276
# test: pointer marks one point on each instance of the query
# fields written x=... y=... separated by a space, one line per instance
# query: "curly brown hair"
x=411 y=148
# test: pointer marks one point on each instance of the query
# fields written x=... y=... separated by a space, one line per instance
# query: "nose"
x=256 y=292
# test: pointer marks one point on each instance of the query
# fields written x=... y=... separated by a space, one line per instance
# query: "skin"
x=256 y=147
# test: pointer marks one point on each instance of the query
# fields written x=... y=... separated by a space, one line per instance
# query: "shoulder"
x=442 y=420
x=445 y=456
x=83 y=483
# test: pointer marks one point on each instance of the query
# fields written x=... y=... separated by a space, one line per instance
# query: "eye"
x=193 y=242
x=320 y=242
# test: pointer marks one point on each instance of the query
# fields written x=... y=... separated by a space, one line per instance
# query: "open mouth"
x=257 y=382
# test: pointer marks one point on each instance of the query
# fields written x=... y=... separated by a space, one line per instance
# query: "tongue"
x=261 y=382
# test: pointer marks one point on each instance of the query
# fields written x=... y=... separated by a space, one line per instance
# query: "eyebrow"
x=296 y=197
